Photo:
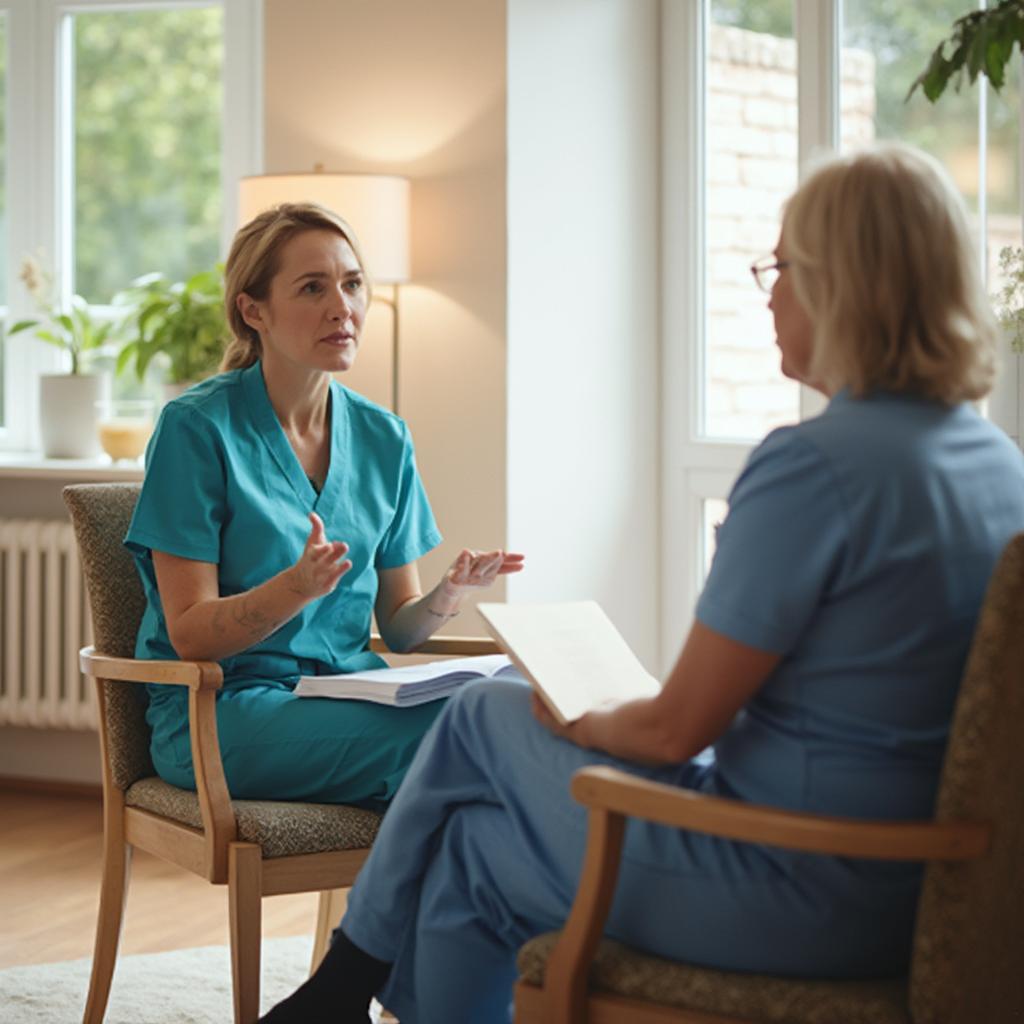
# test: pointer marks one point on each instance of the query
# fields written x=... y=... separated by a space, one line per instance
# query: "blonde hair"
x=883 y=262
x=255 y=258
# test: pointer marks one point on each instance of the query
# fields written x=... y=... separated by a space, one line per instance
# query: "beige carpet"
x=188 y=986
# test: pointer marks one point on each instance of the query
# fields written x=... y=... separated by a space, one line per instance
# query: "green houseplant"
x=981 y=43
x=67 y=401
x=183 y=321
x=77 y=331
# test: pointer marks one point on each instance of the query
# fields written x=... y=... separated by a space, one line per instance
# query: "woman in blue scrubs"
x=822 y=667
x=279 y=510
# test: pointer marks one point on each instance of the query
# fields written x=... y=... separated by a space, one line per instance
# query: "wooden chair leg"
x=328 y=914
x=245 y=891
x=117 y=864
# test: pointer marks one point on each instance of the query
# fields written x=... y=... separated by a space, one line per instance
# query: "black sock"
x=339 y=991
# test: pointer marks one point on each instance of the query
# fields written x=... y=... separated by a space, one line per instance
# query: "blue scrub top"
x=858 y=545
x=223 y=485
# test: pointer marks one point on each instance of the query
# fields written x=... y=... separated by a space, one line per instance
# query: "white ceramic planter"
x=67 y=414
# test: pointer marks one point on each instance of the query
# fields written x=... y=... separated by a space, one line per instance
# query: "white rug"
x=188 y=986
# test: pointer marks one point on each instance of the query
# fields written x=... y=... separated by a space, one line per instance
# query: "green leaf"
x=22 y=325
x=53 y=339
x=124 y=357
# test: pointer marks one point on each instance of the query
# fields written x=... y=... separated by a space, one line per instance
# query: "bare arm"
x=203 y=626
x=406 y=617
x=712 y=679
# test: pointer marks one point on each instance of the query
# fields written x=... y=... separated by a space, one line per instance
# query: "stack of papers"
x=410 y=684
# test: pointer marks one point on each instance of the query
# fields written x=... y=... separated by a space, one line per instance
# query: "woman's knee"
x=490 y=701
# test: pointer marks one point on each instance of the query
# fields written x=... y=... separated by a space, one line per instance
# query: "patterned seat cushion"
x=282 y=829
x=620 y=970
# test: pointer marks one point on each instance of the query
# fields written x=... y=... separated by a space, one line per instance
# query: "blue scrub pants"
x=276 y=746
x=481 y=850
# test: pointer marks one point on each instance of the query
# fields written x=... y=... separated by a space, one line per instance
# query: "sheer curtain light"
x=377 y=207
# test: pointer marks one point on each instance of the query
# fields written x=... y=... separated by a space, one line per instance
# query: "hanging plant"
x=981 y=43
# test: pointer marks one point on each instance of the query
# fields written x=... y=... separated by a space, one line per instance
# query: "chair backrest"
x=968 y=961
x=100 y=514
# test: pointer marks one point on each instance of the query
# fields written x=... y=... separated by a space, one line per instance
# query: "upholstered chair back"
x=100 y=514
x=968 y=962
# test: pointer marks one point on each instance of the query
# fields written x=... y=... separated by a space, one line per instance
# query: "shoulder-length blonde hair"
x=255 y=258
x=884 y=264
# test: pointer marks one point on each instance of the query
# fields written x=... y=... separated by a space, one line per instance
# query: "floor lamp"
x=377 y=207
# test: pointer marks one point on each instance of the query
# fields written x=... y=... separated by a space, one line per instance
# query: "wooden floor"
x=50 y=860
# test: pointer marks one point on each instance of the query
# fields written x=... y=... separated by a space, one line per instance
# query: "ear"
x=250 y=311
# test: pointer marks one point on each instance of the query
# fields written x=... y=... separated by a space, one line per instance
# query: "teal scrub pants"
x=276 y=746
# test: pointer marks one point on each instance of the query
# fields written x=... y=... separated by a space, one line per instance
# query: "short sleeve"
x=779 y=548
x=182 y=504
x=412 y=532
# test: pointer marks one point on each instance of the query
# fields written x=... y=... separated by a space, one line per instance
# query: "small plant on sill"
x=77 y=331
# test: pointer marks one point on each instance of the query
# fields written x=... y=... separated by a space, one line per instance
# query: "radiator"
x=44 y=620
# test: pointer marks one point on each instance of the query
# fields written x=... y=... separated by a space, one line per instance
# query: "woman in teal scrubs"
x=279 y=510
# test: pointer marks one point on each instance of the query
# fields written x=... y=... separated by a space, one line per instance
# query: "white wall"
x=582 y=306
x=418 y=89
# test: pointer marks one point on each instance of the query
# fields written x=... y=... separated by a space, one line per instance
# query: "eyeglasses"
x=766 y=272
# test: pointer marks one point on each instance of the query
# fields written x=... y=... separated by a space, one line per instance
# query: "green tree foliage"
x=147 y=104
x=900 y=36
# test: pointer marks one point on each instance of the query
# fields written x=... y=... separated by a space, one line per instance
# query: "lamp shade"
x=376 y=205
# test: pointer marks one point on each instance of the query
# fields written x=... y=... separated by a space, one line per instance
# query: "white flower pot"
x=67 y=414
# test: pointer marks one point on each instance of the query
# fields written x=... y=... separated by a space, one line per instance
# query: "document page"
x=571 y=653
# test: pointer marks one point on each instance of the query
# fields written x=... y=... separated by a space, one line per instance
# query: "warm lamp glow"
x=376 y=205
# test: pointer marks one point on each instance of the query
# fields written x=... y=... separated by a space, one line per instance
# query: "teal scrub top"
x=223 y=485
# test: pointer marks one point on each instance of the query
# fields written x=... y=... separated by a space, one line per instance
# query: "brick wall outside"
x=752 y=169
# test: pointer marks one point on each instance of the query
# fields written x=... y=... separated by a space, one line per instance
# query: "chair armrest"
x=612 y=795
x=611 y=789
x=197 y=675
x=203 y=679
x=460 y=646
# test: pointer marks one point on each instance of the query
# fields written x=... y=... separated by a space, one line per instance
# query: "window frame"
x=40 y=170
x=695 y=467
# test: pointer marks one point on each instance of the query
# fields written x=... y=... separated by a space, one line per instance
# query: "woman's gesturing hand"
x=321 y=564
x=480 y=568
x=471 y=570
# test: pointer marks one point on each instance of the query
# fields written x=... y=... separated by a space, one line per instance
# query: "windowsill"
x=33 y=465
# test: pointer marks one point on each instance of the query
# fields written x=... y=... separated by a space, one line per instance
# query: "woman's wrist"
x=444 y=601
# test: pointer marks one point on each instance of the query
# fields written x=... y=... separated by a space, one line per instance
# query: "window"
x=145 y=190
x=127 y=165
x=759 y=86
x=751 y=168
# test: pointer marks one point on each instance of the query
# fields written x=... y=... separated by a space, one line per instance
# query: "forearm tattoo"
x=256 y=623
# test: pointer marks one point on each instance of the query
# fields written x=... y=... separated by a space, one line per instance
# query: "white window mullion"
x=31 y=226
x=818 y=28
x=242 y=121
x=683 y=88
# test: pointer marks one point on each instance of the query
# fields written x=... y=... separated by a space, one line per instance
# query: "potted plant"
x=67 y=401
x=182 y=321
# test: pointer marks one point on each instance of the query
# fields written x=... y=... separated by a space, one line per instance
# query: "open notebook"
x=408 y=684
x=571 y=653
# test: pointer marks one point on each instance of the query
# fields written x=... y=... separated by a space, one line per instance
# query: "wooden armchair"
x=256 y=847
x=968 y=950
